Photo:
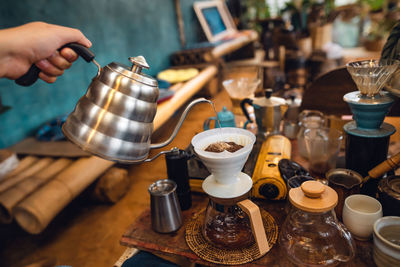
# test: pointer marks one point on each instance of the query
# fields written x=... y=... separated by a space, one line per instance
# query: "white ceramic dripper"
x=226 y=179
x=228 y=187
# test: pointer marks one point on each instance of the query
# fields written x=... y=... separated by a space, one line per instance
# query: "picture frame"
x=215 y=19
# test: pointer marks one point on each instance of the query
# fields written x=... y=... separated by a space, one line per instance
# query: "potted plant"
x=312 y=19
x=298 y=12
x=320 y=21
x=256 y=11
x=382 y=16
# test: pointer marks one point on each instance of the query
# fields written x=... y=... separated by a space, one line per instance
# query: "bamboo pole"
x=35 y=212
x=243 y=39
x=22 y=165
x=111 y=186
x=8 y=162
x=180 y=23
x=11 y=197
x=34 y=168
x=168 y=108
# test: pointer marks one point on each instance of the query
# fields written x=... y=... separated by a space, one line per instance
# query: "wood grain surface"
x=141 y=236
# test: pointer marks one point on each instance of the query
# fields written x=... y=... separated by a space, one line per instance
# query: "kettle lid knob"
x=138 y=63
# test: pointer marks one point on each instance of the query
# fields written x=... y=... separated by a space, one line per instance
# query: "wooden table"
x=140 y=234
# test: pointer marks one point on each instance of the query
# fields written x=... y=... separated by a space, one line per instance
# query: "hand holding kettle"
x=114 y=119
x=36 y=45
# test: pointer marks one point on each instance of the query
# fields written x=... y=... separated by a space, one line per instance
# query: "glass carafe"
x=309 y=120
x=234 y=223
x=311 y=234
x=227 y=226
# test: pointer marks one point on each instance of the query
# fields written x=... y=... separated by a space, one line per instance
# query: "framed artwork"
x=215 y=19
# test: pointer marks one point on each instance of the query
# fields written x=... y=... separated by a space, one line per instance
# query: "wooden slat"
x=166 y=109
x=230 y=46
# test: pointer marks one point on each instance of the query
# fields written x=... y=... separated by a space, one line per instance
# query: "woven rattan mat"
x=206 y=251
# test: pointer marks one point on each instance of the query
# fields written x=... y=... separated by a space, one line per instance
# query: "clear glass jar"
x=311 y=234
x=309 y=120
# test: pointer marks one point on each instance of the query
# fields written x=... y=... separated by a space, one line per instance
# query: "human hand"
x=38 y=43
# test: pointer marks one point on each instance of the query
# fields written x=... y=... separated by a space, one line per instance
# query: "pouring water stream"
x=216 y=113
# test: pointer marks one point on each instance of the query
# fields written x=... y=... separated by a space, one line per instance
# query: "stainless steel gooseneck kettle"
x=114 y=119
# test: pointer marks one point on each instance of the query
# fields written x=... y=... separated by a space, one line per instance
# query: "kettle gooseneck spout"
x=179 y=124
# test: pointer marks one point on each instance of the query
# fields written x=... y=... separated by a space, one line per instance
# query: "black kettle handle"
x=243 y=106
x=32 y=75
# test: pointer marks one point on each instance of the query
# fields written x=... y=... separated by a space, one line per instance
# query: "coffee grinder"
x=367 y=139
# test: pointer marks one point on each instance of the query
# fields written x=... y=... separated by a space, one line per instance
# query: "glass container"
x=240 y=88
x=311 y=234
x=371 y=75
x=226 y=225
x=309 y=120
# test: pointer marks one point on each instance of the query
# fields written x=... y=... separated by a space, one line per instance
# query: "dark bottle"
x=177 y=170
x=363 y=154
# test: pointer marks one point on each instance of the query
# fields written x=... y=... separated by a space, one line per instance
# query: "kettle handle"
x=243 y=106
x=31 y=76
x=257 y=226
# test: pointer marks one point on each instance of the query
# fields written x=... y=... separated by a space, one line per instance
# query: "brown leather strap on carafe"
x=257 y=225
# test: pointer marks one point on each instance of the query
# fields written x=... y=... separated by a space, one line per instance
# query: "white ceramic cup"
x=359 y=215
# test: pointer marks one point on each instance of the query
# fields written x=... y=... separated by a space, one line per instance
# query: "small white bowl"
x=359 y=215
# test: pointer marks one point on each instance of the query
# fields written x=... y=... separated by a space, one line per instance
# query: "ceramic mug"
x=359 y=215
x=386 y=250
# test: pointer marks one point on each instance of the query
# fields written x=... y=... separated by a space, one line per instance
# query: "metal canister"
x=166 y=215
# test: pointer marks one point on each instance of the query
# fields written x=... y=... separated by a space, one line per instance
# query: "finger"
x=49 y=69
x=47 y=78
x=69 y=54
x=59 y=61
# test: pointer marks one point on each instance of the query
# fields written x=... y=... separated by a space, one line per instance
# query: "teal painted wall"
x=118 y=29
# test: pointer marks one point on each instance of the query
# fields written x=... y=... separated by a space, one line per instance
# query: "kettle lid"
x=313 y=196
x=135 y=71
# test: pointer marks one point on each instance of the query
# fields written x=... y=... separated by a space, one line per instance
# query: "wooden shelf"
x=166 y=109
x=241 y=39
